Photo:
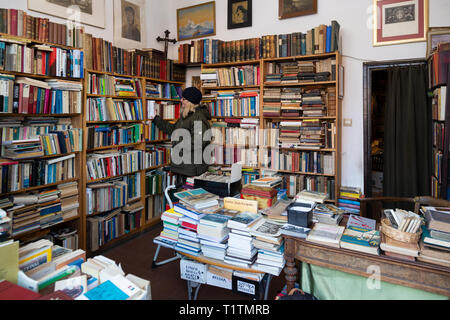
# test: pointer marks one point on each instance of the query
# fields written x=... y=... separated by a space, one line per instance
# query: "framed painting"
x=239 y=14
x=197 y=21
x=129 y=24
x=399 y=21
x=90 y=12
x=435 y=36
x=295 y=8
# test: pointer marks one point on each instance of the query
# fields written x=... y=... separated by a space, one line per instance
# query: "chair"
x=429 y=201
x=372 y=207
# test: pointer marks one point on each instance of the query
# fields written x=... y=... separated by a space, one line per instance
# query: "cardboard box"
x=219 y=277
x=193 y=271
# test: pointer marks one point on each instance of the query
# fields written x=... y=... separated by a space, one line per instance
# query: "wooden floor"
x=136 y=257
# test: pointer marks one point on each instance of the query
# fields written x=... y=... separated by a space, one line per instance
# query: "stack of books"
x=289 y=72
x=170 y=219
x=326 y=234
x=313 y=104
x=209 y=77
x=272 y=102
x=435 y=242
x=327 y=213
x=69 y=199
x=273 y=78
x=271 y=181
x=213 y=233
x=22 y=149
x=361 y=235
x=306 y=71
x=349 y=199
x=197 y=199
x=290 y=132
x=241 y=250
x=188 y=240
x=266 y=196
x=270 y=245
x=291 y=99
x=312 y=134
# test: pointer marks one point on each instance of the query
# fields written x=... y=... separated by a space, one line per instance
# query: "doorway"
x=375 y=82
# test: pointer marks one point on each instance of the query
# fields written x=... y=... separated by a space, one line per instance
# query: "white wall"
x=354 y=17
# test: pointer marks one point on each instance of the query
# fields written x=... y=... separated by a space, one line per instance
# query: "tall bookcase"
x=44 y=71
x=317 y=179
x=142 y=143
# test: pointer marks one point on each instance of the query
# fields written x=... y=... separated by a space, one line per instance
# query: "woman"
x=193 y=116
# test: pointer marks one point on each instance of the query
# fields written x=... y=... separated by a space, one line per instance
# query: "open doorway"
x=375 y=76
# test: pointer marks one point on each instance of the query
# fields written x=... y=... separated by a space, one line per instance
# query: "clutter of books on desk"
x=247 y=228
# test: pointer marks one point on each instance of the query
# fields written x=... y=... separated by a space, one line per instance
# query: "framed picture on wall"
x=295 y=8
x=129 y=24
x=436 y=36
x=239 y=14
x=90 y=12
x=399 y=21
x=197 y=21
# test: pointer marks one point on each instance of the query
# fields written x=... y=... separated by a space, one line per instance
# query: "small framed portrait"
x=129 y=23
x=435 y=36
x=399 y=21
x=239 y=14
x=295 y=8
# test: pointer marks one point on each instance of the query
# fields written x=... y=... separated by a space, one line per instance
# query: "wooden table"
x=418 y=275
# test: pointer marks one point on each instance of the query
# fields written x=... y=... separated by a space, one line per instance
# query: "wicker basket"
x=389 y=231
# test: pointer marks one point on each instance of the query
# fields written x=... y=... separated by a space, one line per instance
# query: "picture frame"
x=296 y=8
x=197 y=21
x=129 y=24
x=89 y=12
x=436 y=35
x=399 y=21
x=239 y=14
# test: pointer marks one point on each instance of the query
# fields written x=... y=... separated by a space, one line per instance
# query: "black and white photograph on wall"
x=239 y=14
x=129 y=24
x=296 y=8
x=90 y=12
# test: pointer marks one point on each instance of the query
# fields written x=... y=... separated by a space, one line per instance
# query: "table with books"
x=223 y=242
x=354 y=246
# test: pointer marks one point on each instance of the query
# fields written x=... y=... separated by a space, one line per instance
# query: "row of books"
x=39 y=210
x=229 y=155
x=103 y=56
x=31 y=96
x=165 y=109
x=231 y=77
x=438 y=103
x=106 y=196
x=155 y=206
x=240 y=132
x=438 y=65
x=113 y=224
x=156 y=155
x=107 y=135
x=111 y=164
x=163 y=90
x=31 y=128
x=307 y=162
x=108 y=109
x=295 y=183
x=45 y=60
x=320 y=39
x=62 y=142
x=319 y=70
x=236 y=103
x=152 y=132
x=20 y=23
x=134 y=186
x=17 y=176
x=155 y=182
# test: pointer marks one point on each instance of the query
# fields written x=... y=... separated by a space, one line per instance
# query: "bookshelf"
x=439 y=86
x=144 y=154
x=304 y=162
x=43 y=104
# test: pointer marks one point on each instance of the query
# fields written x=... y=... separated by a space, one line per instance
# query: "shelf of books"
x=288 y=124
x=41 y=131
x=125 y=152
x=438 y=85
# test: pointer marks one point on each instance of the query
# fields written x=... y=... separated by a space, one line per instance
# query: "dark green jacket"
x=201 y=114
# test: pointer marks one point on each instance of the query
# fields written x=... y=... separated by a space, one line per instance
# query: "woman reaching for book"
x=187 y=153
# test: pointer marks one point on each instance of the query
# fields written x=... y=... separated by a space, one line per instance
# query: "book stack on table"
x=349 y=199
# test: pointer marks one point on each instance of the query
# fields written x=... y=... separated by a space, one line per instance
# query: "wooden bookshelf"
x=263 y=120
x=76 y=119
x=142 y=145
